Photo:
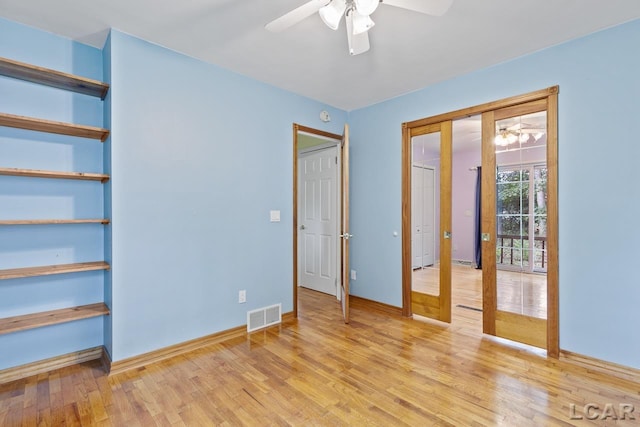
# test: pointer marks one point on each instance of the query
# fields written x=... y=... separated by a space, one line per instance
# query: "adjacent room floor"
x=522 y=293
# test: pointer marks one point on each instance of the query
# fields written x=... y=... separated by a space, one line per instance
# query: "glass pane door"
x=515 y=277
x=521 y=214
x=425 y=216
x=540 y=198
x=430 y=212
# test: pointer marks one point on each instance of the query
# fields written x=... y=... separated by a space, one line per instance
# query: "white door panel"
x=318 y=225
x=309 y=267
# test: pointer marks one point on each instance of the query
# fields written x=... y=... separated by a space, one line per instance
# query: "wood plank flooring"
x=521 y=293
x=378 y=370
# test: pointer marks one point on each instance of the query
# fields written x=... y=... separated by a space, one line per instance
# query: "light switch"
x=275 y=216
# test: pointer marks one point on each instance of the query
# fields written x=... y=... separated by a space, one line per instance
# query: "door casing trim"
x=299 y=128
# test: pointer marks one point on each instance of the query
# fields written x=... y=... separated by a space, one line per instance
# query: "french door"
x=428 y=190
x=518 y=218
x=519 y=223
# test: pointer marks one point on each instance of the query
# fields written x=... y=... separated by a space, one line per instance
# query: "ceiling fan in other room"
x=520 y=132
x=357 y=14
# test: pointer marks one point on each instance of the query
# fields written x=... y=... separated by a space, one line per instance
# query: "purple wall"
x=464 y=191
x=463 y=199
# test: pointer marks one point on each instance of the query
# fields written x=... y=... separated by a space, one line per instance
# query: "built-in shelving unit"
x=36 y=173
x=53 y=221
x=53 y=317
x=17 y=273
x=50 y=126
x=53 y=78
x=85 y=86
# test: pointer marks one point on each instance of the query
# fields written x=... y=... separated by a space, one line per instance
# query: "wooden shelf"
x=48 y=270
x=50 y=126
x=54 y=174
x=53 y=78
x=53 y=221
x=53 y=317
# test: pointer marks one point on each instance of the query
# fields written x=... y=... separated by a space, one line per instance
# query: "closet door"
x=423 y=216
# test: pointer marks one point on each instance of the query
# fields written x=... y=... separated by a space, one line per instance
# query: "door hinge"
x=336 y=160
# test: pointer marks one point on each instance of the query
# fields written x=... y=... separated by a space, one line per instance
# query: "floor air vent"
x=263 y=317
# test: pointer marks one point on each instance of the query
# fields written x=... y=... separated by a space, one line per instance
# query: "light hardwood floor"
x=378 y=370
x=520 y=293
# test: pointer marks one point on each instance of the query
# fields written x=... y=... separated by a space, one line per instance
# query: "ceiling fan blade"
x=358 y=43
x=296 y=15
x=526 y=128
x=533 y=130
x=429 y=7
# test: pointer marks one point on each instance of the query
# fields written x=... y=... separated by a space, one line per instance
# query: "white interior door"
x=318 y=220
x=422 y=216
x=428 y=217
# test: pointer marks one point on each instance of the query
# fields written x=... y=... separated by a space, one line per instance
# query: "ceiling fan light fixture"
x=501 y=141
x=332 y=13
x=366 y=7
x=357 y=15
x=504 y=138
x=361 y=23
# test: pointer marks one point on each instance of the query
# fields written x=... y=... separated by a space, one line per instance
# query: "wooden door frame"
x=548 y=95
x=300 y=128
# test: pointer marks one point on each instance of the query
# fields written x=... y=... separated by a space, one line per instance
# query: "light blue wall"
x=599 y=199
x=31 y=198
x=199 y=156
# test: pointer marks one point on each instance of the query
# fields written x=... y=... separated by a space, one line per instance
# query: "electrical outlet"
x=353 y=275
x=242 y=297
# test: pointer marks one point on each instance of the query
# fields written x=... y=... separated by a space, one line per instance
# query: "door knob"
x=346 y=236
x=302 y=227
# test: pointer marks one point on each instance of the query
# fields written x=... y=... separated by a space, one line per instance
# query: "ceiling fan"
x=520 y=132
x=357 y=14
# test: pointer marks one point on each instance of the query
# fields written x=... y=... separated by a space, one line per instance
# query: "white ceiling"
x=409 y=50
